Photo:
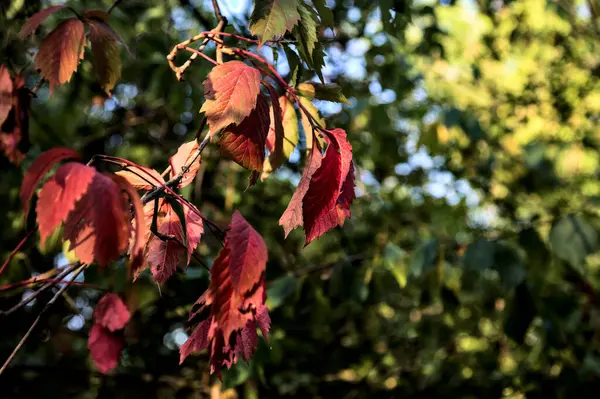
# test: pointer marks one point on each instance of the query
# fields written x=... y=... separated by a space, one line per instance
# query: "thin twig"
x=38 y=318
x=14 y=251
x=116 y=3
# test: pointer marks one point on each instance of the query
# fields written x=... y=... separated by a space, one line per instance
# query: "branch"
x=14 y=251
x=39 y=316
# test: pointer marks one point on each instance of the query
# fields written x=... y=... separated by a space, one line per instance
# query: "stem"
x=39 y=316
x=14 y=251
x=116 y=3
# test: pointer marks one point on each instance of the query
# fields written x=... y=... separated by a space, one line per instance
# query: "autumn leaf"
x=164 y=256
x=6 y=93
x=39 y=168
x=234 y=301
x=141 y=228
x=309 y=134
x=289 y=138
x=105 y=348
x=141 y=177
x=98 y=228
x=187 y=156
x=326 y=190
x=270 y=19
x=59 y=195
x=36 y=19
x=111 y=312
x=60 y=52
x=106 y=54
x=231 y=90
x=292 y=216
x=245 y=143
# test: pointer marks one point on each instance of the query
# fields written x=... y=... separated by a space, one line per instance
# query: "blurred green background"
x=469 y=269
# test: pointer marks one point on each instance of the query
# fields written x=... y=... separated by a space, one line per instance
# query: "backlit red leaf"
x=36 y=19
x=319 y=205
x=141 y=177
x=6 y=93
x=136 y=252
x=105 y=348
x=235 y=300
x=59 y=195
x=106 y=54
x=188 y=157
x=98 y=228
x=245 y=143
x=111 y=312
x=230 y=90
x=326 y=190
x=165 y=256
x=39 y=168
x=60 y=52
x=292 y=216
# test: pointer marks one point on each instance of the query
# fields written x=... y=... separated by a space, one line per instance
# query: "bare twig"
x=39 y=316
x=14 y=251
x=116 y=3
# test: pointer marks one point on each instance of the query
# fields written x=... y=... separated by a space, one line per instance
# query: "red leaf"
x=98 y=227
x=141 y=177
x=292 y=216
x=111 y=312
x=36 y=19
x=38 y=169
x=165 y=256
x=230 y=90
x=136 y=253
x=14 y=139
x=276 y=134
x=59 y=195
x=235 y=298
x=105 y=348
x=186 y=153
x=106 y=54
x=6 y=93
x=245 y=143
x=326 y=189
x=60 y=52
x=319 y=205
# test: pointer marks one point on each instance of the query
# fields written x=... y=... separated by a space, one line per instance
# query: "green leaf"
x=484 y=254
x=393 y=260
x=325 y=13
x=424 y=257
x=327 y=92
x=270 y=19
x=294 y=64
x=309 y=47
x=280 y=289
x=520 y=314
x=573 y=239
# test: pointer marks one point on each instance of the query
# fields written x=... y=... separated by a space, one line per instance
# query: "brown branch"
x=39 y=316
x=14 y=251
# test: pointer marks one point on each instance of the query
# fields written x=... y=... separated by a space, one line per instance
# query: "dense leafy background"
x=469 y=267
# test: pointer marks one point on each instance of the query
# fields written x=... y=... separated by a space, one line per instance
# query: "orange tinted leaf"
x=186 y=153
x=245 y=143
x=59 y=195
x=36 y=19
x=105 y=348
x=98 y=227
x=6 y=93
x=39 y=168
x=99 y=15
x=230 y=90
x=141 y=177
x=136 y=253
x=106 y=55
x=235 y=299
x=60 y=52
x=111 y=312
